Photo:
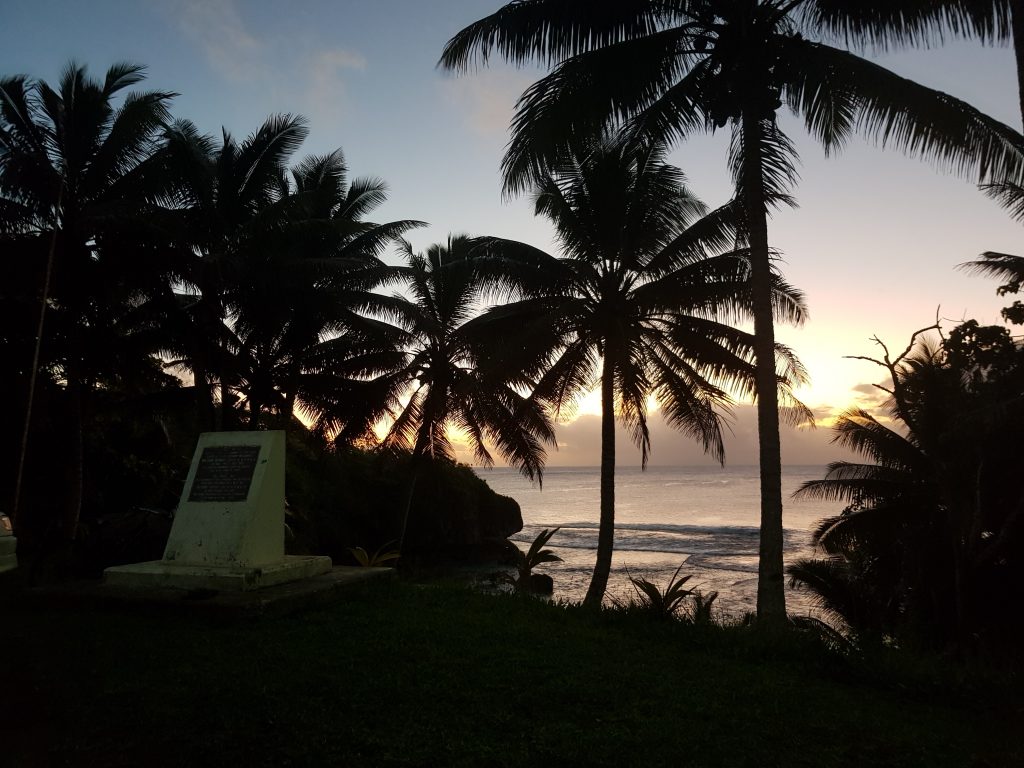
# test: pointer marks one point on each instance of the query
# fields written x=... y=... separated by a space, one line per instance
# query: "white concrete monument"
x=228 y=531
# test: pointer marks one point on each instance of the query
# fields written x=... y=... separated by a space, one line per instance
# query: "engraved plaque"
x=224 y=473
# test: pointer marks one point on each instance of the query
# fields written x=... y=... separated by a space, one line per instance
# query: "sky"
x=873 y=244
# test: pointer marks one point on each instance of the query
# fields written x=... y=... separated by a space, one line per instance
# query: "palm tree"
x=77 y=174
x=637 y=303
x=227 y=210
x=671 y=69
x=299 y=330
x=456 y=379
x=1004 y=266
x=929 y=546
x=274 y=266
x=915 y=22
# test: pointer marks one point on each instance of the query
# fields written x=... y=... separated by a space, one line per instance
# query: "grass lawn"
x=400 y=674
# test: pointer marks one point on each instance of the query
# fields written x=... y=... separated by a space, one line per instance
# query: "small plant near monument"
x=660 y=603
x=525 y=580
x=378 y=559
x=700 y=607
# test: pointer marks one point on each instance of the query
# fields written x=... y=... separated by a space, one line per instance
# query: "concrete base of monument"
x=279 y=600
x=158 y=574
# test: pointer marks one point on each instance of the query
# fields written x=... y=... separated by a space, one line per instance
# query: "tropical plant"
x=275 y=266
x=929 y=546
x=229 y=211
x=380 y=558
x=457 y=377
x=701 y=607
x=639 y=304
x=303 y=339
x=78 y=177
x=661 y=603
x=670 y=69
x=1003 y=266
x=525 y=562
x=923 y=22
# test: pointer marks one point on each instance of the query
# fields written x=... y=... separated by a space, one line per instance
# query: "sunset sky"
x=873 y=244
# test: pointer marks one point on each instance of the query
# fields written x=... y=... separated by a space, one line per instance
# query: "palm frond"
x=1009 y=194
x=533 y=30
x=1001 y=266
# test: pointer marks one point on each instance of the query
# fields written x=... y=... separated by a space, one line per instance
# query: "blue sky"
x=873 y=243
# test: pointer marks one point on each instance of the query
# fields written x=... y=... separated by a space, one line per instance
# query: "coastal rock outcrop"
x=356 y=498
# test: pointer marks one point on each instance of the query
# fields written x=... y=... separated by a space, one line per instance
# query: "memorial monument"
x=228 y=531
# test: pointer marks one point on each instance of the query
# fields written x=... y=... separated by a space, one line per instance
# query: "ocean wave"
x=722 y=541
x=664 y=528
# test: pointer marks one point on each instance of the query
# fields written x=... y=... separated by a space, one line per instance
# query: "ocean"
x=703 y=518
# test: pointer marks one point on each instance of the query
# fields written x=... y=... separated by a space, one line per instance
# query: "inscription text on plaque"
x=224 y=473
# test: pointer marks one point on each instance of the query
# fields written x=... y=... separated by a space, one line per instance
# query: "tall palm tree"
x=670 y=69
x=640 y=303
x=455 y=378
x=922 y=22
x=227 y=210
x=77 y=173
x=298 y=324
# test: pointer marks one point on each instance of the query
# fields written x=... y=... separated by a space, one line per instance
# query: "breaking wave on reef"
x=703 y=518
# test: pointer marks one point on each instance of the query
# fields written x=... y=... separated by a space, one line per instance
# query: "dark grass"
x=412 y=675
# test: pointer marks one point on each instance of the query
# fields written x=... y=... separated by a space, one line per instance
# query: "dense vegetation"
x=161 y=283
x=667 y=70
x=930 y=551
x=156 y=283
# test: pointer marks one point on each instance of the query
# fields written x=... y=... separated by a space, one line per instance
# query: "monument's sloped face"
x=231 y=511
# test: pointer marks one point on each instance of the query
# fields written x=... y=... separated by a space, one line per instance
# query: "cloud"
x=218 y=29
x=486 y=99
x=326 y=92
x=865 y=389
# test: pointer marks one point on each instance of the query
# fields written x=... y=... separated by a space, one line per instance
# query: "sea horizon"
x=703 y=518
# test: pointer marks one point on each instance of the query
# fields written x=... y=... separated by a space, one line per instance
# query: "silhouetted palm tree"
x=457 y=378
x=923 y=22
x=929 y=547
x=76 y=180
x=301 y=335
x=637 y=303
x=675 y=68
x=228 y=209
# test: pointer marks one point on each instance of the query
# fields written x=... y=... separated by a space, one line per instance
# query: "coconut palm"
x=671 y=69
x=929 y=546
x=275 y=265
x=1005 y=266
x=922 y=22
x=228 y=209
x=457 y=381
x=76 y=180
x=638 y=303
x=300 y=335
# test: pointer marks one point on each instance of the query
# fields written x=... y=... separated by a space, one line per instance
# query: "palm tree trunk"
x=289 y=399
x=76 y=481
x=255 y=411
x=771 y=595
x=205 y=406
x=415 y=465
x=606 y=530
x=34 y=370
x=1017 y=27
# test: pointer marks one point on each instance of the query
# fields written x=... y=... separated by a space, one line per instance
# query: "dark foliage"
x=930 y=550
